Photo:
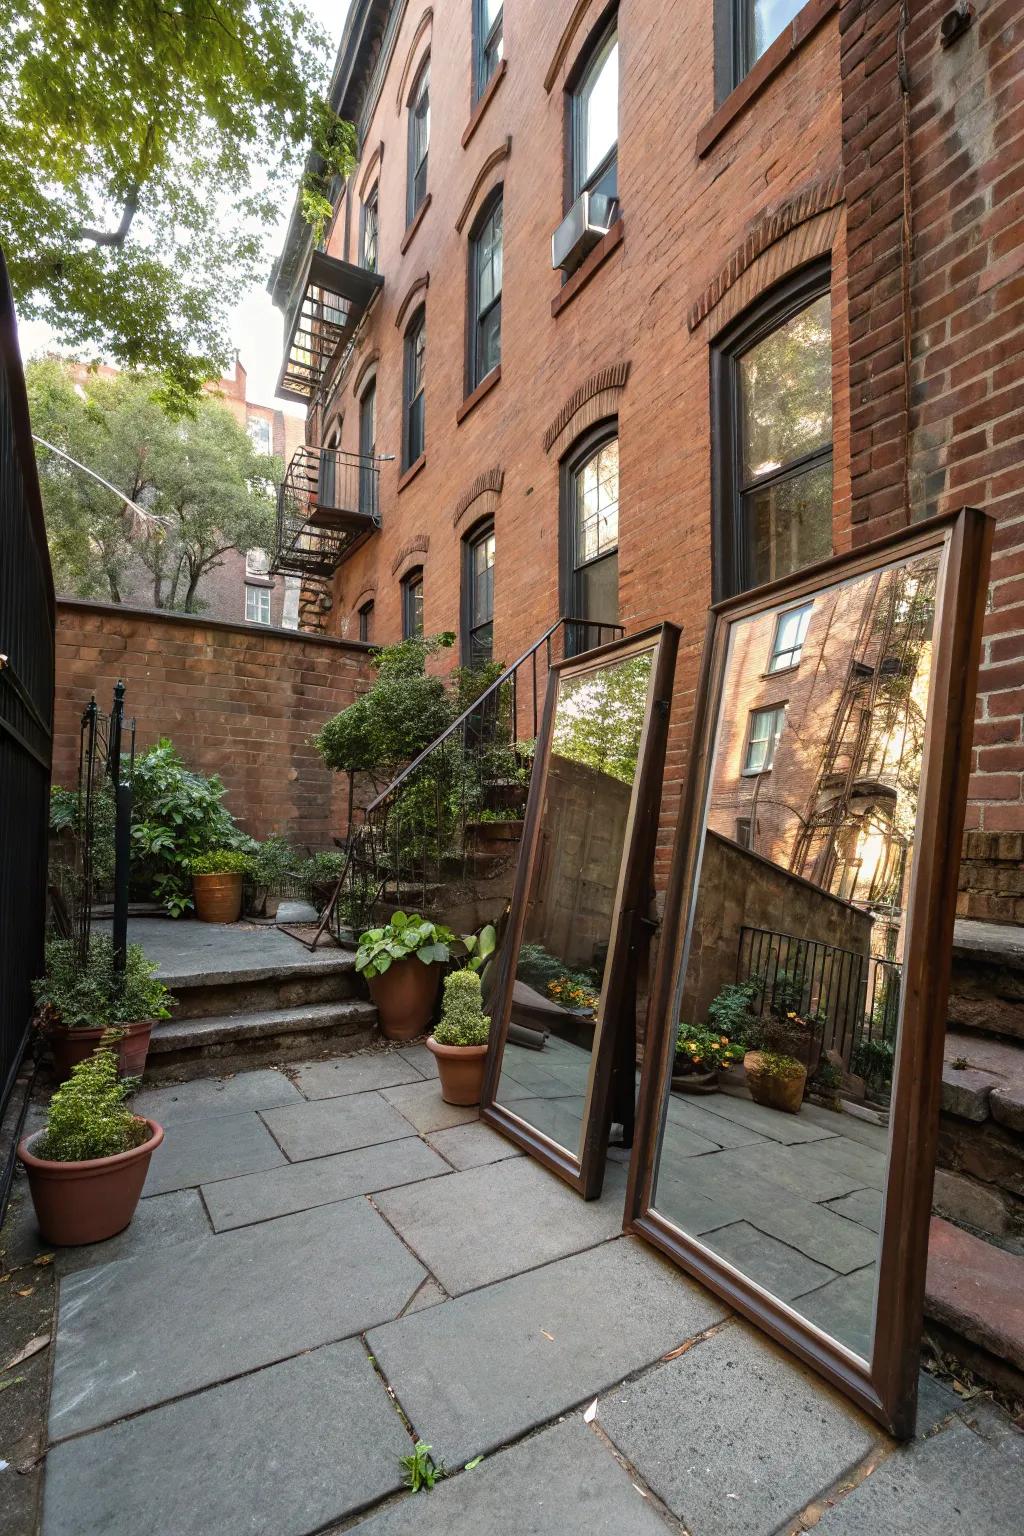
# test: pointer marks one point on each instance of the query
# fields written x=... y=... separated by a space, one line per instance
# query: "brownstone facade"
x=818 y=155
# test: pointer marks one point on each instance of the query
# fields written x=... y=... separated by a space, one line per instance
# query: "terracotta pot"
x=87 y=1202
x=70 y=1046
x=461 y=1069
x=218 y=897
x=772 y=1089
x=405 y=996
x=693 y=1081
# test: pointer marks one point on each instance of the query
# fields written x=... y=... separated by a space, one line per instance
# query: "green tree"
x=600 y=717
x=145 y=150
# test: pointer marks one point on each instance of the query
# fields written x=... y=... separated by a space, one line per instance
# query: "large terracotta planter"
x=87 y=1202
x=218 y=898
x=405 y=996
x=775 y=1090
x=70 y=1046
x=461 y=1070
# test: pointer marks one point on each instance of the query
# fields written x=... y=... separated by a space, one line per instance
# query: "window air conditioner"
x=590 y=217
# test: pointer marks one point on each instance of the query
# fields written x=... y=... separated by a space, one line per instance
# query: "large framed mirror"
x=809 y=920
x=563 y=1002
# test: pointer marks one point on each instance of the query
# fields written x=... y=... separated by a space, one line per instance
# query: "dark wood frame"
x=885 y=1386
x=417 y=323
x=617 y=1006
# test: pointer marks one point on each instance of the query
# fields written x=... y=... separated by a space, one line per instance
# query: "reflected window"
x=488 y=42
x=743 y=831
x=790 y=634
x=415 y=354
x=758 y=24
x=772 y=375
x=257 y=605
x=412 y=604
x=258 y=428
x=763 y=738
x=485 y=291
x=595 y=119
x=366 y=620
x=419 y=141
x=478 y=598
x=591 y=541
x=370 y=231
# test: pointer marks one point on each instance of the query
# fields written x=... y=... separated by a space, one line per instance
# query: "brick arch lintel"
x=485 y=489
x=770 y=227
x=494 y=158
x=367 y=367
x=419 y=544
x=418 y=284
x=425 y=22
x=594 y=399
x=369 y=589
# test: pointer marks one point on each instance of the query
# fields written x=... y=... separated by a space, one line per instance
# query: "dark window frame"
x=368 y=447
x=576 y=183
x=475 y=374
x=365 y=614
x=412 y=622
x=734 y=46
x=570 y=585
x=416 y=326
x=730 y=564
x=416 y=183
x=485 y=57
x=778 y=708
x=370 y=203
x=480 y=531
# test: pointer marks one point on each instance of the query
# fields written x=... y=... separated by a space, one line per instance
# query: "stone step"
x=326 y=978
x=974 y=1303
x=986 y=991
x=979 y=1181
x=209 y=1045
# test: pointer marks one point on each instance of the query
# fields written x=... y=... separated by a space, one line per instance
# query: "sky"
x=255 y=326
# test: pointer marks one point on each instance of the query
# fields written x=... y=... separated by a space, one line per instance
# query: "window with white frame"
x=790 y=634
x=763 y=734
x=257 y=605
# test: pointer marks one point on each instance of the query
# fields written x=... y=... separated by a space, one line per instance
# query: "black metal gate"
x=27 y=624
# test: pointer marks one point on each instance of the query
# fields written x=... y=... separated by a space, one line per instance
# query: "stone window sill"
x=412 y=471
x=581 y=277
x=483 y=388
x=490 y=90
x=417 y=220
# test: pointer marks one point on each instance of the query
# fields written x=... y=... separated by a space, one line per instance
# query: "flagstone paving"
x=322 y=1247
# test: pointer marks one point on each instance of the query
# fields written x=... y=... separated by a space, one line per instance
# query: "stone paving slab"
x=283 y=1451
x=779 y=1269
x=136 y=1333
x=488 y=1366
x=221 y=1147
x=419 y=1057
x=863 y=1206
x=734 y=1437
x=562 y=1482
x=801 y=1170
x=687 y=1113
x=495 y=1221
x=355 y=1074
x=320 y=1181
x=561 y=1119
x=424 y=1108
x=326 y=1126
x=205 y=1096
x=790 y=1130
x=950 y=1485
x=159 y=1222
x=194 y=953
x=845 y=1308
x=472 y=1145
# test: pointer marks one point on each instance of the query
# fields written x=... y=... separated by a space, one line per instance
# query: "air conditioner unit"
x=590 y=217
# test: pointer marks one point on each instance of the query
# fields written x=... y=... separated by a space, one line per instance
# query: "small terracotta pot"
x=218 y=898
x=461 y=1070
x=70 y=1046
x=405 y=996
x=772 y=1089
x=78 y=1203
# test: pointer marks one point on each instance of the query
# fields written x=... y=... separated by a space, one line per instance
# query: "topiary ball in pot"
x=459 y=1042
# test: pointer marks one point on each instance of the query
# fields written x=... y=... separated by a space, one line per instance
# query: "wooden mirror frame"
x=585 y=1172
x=886 y=1385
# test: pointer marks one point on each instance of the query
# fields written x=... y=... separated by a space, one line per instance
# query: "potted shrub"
x=76 y=1004
x=702 y=1053
x=776 y=1041
x=401 y=962
x=87 y=1168
x=320 y=873
x=272 y=865
x=459 y=1042
x=217 y=884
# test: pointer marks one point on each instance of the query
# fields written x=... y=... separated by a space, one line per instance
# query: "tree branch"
x=120 y=234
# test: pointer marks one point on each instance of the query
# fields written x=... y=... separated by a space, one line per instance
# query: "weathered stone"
x=965 y=1091
x=296 y=912
x=472 y=1145
x=977 y=1290
x=195 y=1151
x=159 y=1222
x=1007 y=1106
x=733 y=1436
x=779 y=1269
x=965 y=1199
x=419 y=1057
x=863 y=1206
x=787 y=1129
x=691 y=1115
x=489 y=1366
x=844 y=1309
x=989 y=1152
x=286 y=1450
x=355 y=1074
x=424 y=1108
x=203 y=1097
x=335 y=1125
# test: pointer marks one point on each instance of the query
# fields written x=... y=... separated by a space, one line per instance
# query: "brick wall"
x=235 y=700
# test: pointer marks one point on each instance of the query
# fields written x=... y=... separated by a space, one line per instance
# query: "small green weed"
x=419 y=1468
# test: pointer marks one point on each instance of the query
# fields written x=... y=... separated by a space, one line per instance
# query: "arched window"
x=485 y=261
x=367 y=449
x=478 y=596
x=366 y=620
x=412 y=603
x=413 y=436
x=594 y=104
x=488 y=43
x=419 y=141
x=370 y=231
x=590 y=539
x=329 y=467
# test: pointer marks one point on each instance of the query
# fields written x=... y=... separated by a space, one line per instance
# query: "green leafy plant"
x=699 y=1049
x=221 y=861
x=274 y=864
x=178 y=815
x=574 y=991
x=873 y=1061
x=537 y=967
x=88 y=1116
x=93 y=995
x=733 y=1011
x=785 y=1026
x=322 y=869
x=779 y=1064
x=397 y=940
x=463 y=1021
x=479 y=947
x=65 y=817
x=419 y=1468
x=397 y=718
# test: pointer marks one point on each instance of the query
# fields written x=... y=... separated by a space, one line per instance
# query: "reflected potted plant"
x=78 y=1004
x=778 y=1047
x=87 y=1167
x=701 y=1054
x=217 y=884
x=459 y=1043
x=402 y=965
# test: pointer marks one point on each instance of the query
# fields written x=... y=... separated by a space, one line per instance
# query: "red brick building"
x=788 y=316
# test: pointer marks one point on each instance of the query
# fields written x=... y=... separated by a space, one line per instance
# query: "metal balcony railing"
x=327 y=505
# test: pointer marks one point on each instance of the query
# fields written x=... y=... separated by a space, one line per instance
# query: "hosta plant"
x=402 y=937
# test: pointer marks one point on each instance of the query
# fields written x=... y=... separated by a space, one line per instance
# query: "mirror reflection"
x=573 y=896
x=774 y=1141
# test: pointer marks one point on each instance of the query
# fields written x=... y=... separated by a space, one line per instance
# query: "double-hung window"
x=789 y=637
x=366 y=620
x=763 y=734
x=367 y=449
x=370 y=234
x=595 y=120
x=478 y=597
x=590 y=540
x=414 y=440
x=257 y=605
x=488 y=42
x=419 y=141
x=485 y=291
x=412 y=603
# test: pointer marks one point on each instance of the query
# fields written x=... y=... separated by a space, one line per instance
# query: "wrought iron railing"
x=327 y=504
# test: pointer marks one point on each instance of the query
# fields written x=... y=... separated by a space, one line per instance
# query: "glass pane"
x=599 y=104
x=765 y=19
x=785 y=388
x=789 y=524
x=789 y=638
x=482 y=604
x=598 y=729
x=491 y=12
x=488 y=342
x=598 y=597
x=597 y=501
x=788 y=1002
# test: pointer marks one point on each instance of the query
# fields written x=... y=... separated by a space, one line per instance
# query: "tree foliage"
x=146 y=149
x=600 y=717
